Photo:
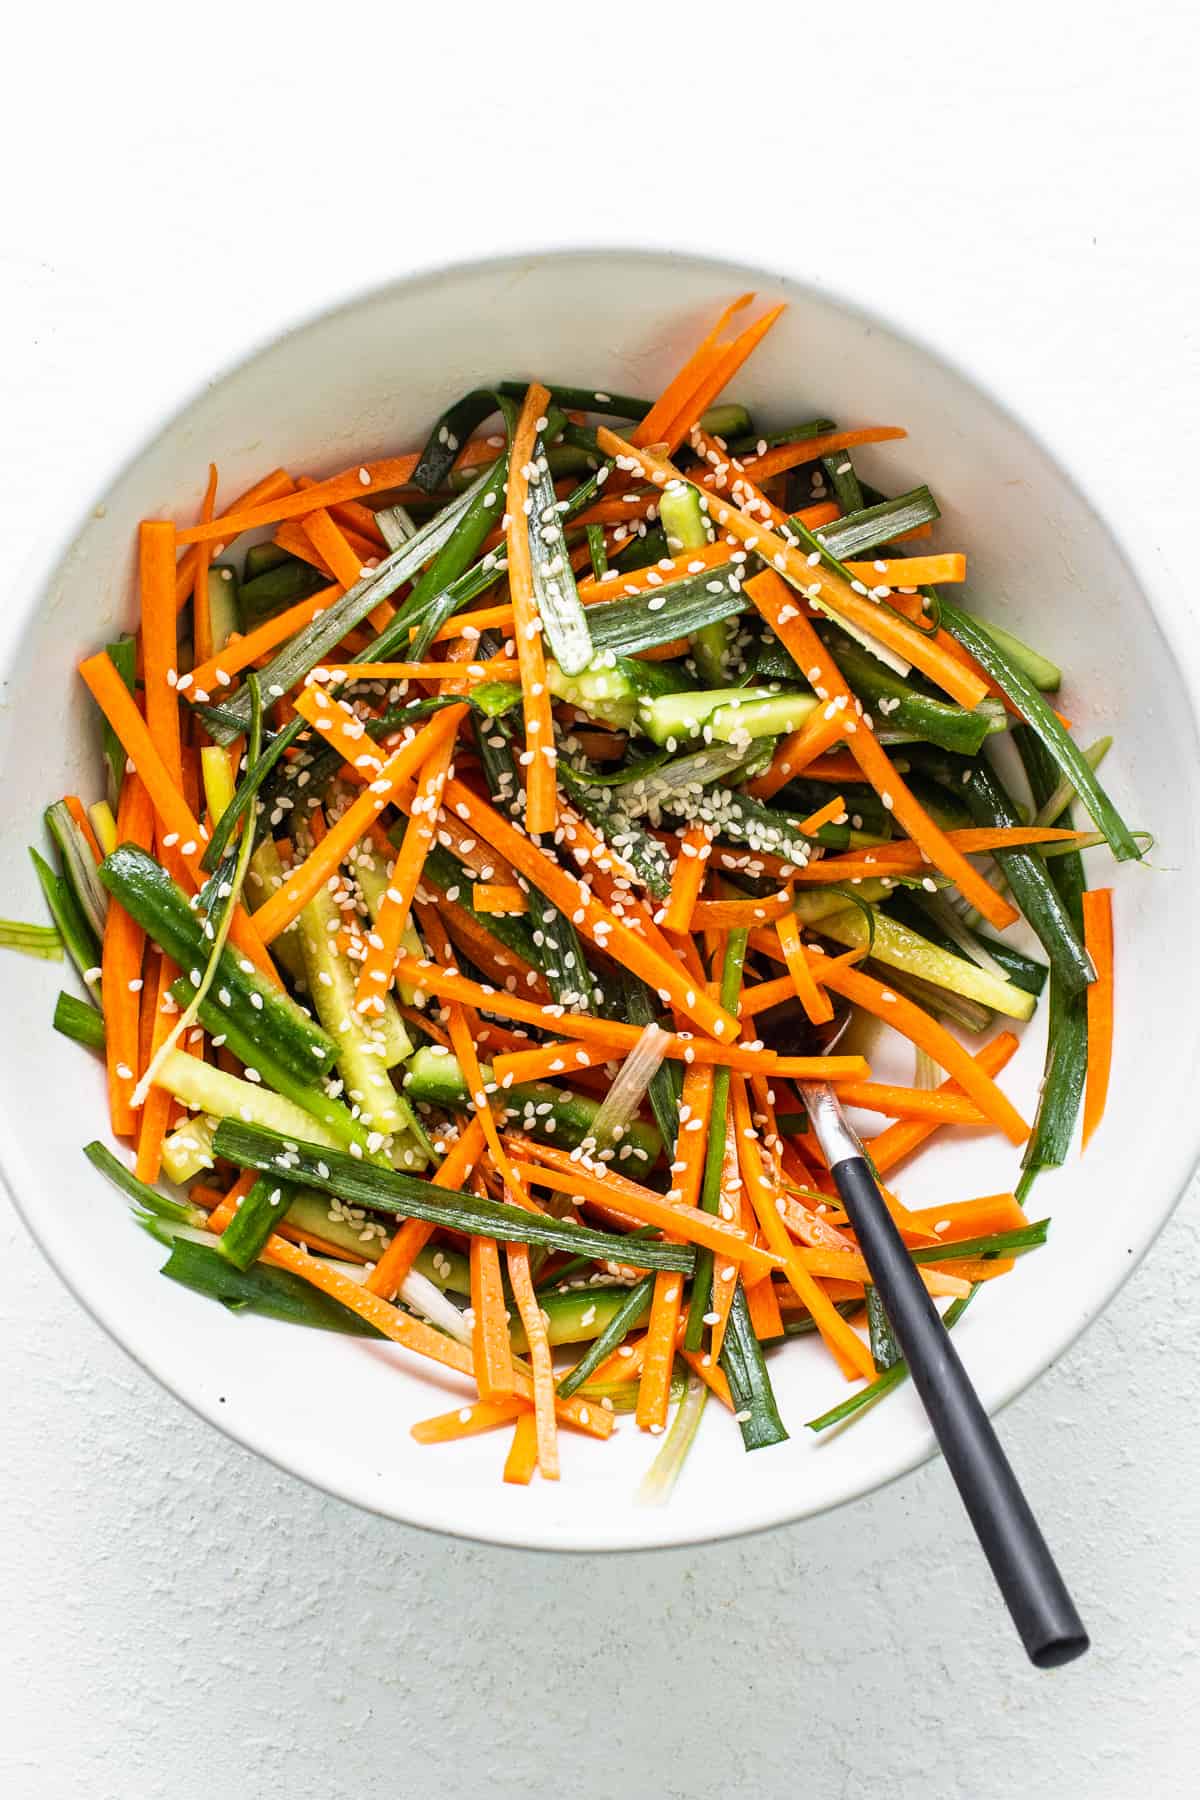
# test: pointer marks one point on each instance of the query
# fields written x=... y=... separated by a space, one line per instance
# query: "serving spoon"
x=1020 y=1558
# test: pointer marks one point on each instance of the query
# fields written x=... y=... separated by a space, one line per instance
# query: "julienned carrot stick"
x=522 y=1458
x=494 y=959
x=160 y=651
x=1098 y=939
x=348 y=556
x=383 y=943
x=532 y=1319
x=816 y=1003
x=208 y=678
x=832 y=813
x=805 y=450
x=490 y=1344
x=468 y=1421
x=391 y=472
x=762 y=1196
x=414 y=1234
x=563 y=1058
x=269 y=488
x=621 y=1195
x=288 y=901
x=898 y=1102
x=816 y=581
x=763 y=1305
x=498 y=897
x=728 y=915
x=931 y=1037
x=680 y=391
x=121 y=967
x=726 y=360
x=687 y=1173
x=900 y=1140
x=687 y=878
x=201 y=616
x=818 y=734
x=724 y=475
x=596 y=923
x=538 y=757
x=617 y=585
x=775 y=603
x=119 y=708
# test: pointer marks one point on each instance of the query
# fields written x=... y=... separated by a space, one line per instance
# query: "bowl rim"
x=1169 y=608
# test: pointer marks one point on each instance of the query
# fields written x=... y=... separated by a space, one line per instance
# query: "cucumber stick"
x=900 y=948
x=265 y=874
x=211 y=1091
x=687 y=529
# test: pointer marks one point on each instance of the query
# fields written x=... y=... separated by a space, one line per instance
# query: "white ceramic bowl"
x=365 y=380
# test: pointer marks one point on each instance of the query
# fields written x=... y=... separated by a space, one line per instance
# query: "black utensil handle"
x=1025 y=1571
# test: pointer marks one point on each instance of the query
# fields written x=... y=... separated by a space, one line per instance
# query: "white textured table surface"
x=181 y=1621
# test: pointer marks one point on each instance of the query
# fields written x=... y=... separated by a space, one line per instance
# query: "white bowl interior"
x=365 y=381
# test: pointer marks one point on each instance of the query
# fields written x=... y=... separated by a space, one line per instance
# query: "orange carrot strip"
x=714 y=374
x=850 y=1266
x=498 y=897
x=816 y=1003
x=819 y=732
x=121 y=964
x=676 y=1219
x=728 y=915
x=288 y=901
x=347 y=555
x=523 y=1457
x=817 y=581
x=910 y=1103
x=685 y=384
x=240 y=652
x=762 y=1196
x=489 y=1335
x=1098 y=940
x=830 y=814
x=687 y=878
x=119 y=708
x=969 y=1218
x=201 y=617
x=501 y=668
x=383 y=943
x=468 y=1421
x=541 y=788
x=495 y=960
x=900 y=1140
x=597 y=923
x=390 y=472
x=517 y=1256
x=763 y=1305
x=920 y=1029
x=773 y=600
x=805 y=450
x=414 y=1234
x=74 y=806
x=902 y=857
x=548 y=1059
x=617 y=585
x=910 y=571
x=160 y=651
x=834 y=765
x=654 y=1390
x=269 y=488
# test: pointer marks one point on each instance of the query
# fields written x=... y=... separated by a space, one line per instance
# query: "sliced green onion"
x=42 y=941
x=625 y=1319
x=659 y=1480
x=749 y=1383
x=79 y=1021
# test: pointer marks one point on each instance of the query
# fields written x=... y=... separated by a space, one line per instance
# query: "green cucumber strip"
x=143 y=887
x=76 y=1019
x=1044 y=722
x=223 y=611
x=276 y=1293
x=679 y=609
x=82 y=946
x=1045 y=675
x=749 y=1382
x=389 y=1191
x=42 y=941
x=899 y=946
x=625 y=1315
x=891 y=1378
x=732 y=970
x=262 y=596
x=256 y=1217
